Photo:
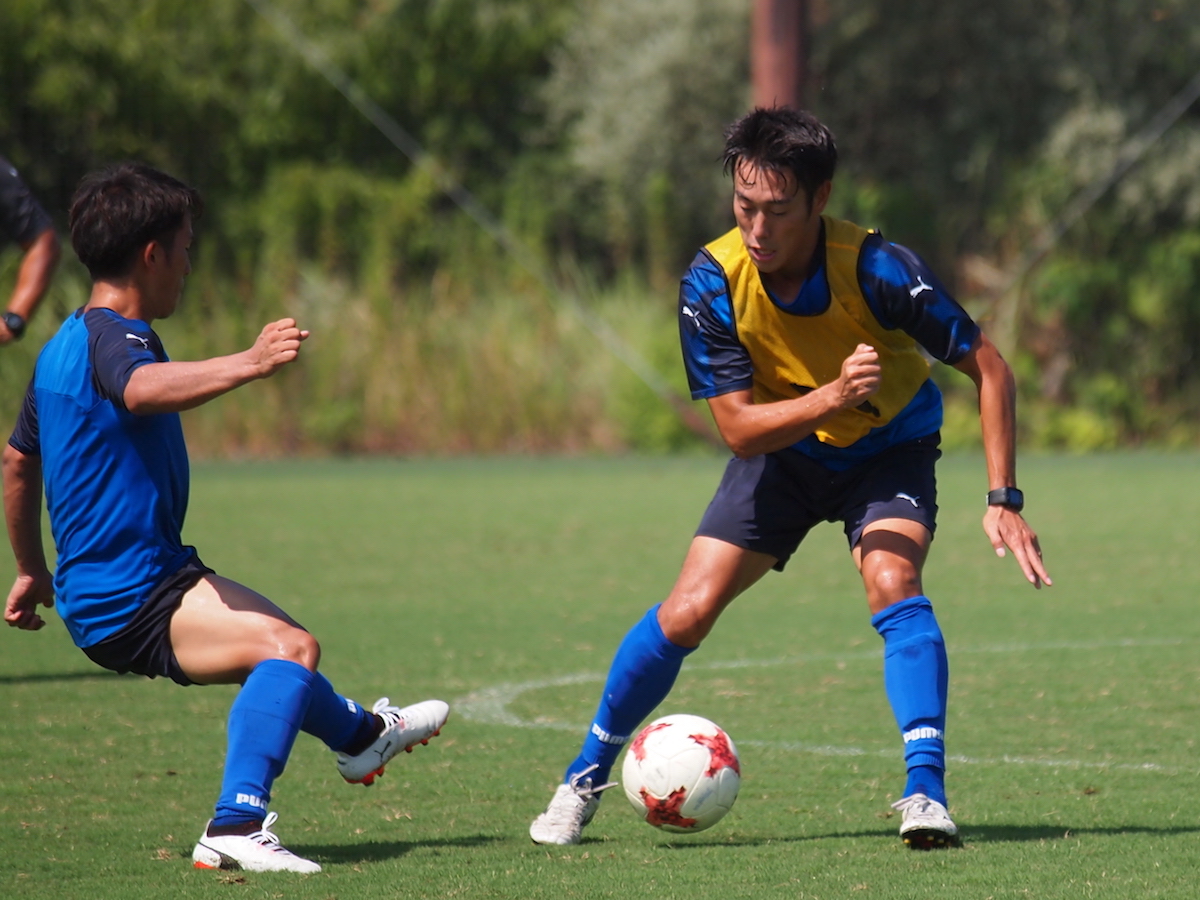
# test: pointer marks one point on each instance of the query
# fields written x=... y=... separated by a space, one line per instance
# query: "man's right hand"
x=277 y=345
x=20 y=611
x=860 y=376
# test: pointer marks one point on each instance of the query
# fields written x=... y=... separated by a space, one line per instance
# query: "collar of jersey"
x=813 y=296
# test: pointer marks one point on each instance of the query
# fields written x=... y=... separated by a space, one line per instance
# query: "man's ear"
x=821 y=197
x=151 y=254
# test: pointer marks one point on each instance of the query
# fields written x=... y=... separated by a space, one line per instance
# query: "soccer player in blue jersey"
x=100 y=431
x=804 y=334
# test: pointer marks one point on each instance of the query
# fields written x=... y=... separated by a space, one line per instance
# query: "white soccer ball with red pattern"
x=681 y=773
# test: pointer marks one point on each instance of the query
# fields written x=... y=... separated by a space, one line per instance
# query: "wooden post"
x=779 y=52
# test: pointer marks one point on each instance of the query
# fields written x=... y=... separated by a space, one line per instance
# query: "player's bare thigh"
x=890 y=555
x=713 y=574
x=223 y=629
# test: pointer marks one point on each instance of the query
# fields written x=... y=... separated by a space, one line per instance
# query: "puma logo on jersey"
x=691 y=314
x=921 y=286
x=134 y=337
x=910 y=499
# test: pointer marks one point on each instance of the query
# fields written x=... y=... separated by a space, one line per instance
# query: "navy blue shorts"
x=144 y=645
x=768 y=503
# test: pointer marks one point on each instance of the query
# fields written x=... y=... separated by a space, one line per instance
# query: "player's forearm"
x=997 y=411
x=23 y=510
x=176 y=386
x=753 y=429
x=33 y=278
x=998 y=421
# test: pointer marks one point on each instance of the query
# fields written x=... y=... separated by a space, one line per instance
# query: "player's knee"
x=687 y=619
x=298 y=646
x=887 y=585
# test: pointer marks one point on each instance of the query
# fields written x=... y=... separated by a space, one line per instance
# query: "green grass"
x=1073 y=715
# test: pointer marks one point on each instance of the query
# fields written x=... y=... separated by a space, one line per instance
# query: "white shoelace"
x=585 y=790
x=266 y=838
x=384 y=709
x=918 y=803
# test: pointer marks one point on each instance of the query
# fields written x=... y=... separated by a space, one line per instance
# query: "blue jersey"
x=116 y=484
x=901 y=292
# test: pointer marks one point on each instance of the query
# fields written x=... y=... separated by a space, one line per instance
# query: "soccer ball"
x=681 y=773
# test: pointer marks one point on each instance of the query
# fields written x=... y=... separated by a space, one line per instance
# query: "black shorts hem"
x=768 y=504
x=143 y=646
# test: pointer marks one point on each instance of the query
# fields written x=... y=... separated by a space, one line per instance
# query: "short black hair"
x=120 y=209
x=782 y=140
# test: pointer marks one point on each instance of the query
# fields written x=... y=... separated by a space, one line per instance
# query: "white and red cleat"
x=403 y=729
x=257 y=852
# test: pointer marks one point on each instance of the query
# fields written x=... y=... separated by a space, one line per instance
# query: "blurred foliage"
x=592 y=131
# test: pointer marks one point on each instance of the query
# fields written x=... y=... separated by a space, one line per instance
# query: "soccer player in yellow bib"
x=804 y=334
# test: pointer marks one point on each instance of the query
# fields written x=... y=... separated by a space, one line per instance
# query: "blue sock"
x=915 y=675
x=641 y=676
x=341 y=723
x=263 y=723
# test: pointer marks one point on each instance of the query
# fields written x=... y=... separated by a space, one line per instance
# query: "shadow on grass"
x=378 y=851
x=58 y=676
x=999 y=834
x=748 y=841
x=972 y=834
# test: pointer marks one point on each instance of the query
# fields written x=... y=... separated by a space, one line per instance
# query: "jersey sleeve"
x=715 y=360
x=25 y=435
x=22 y=218
x=903 y=293
x=118 y=348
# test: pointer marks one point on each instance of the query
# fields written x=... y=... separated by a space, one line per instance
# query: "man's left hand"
x=1006 y=528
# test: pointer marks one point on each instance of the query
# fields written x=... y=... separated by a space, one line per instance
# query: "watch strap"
x=1007 y=496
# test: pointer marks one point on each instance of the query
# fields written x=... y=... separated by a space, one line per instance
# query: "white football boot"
x=403 y=729
x=258 y=852
x=572 y=807
x=926 y=823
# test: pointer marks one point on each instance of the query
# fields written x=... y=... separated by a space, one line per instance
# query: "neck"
x=787 y=281
x=122 y=297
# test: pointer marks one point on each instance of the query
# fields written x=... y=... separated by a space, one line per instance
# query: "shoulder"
x=105 y=324
x=891 y=264
x=705 y=275
x=704 y=292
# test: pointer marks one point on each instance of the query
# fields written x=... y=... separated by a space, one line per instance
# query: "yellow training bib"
x=793 y=354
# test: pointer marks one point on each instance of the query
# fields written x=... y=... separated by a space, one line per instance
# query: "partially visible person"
x=100 y=430
x=24 y=222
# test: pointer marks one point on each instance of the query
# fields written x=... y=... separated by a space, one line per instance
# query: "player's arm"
x=751 y=429
x=1005 y=527
x=720 y=370
x=23 y=515
x=33 y=278
x=162 y=387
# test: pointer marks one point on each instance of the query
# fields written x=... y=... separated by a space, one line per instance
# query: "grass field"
x=503 y=586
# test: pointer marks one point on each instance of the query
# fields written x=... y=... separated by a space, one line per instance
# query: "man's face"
x=172 y=264
x=778 y=224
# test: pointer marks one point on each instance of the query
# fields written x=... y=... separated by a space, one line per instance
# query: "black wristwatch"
x=15 y=324
x=1007 y=496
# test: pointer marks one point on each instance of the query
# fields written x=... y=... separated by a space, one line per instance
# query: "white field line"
x=490 y=705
